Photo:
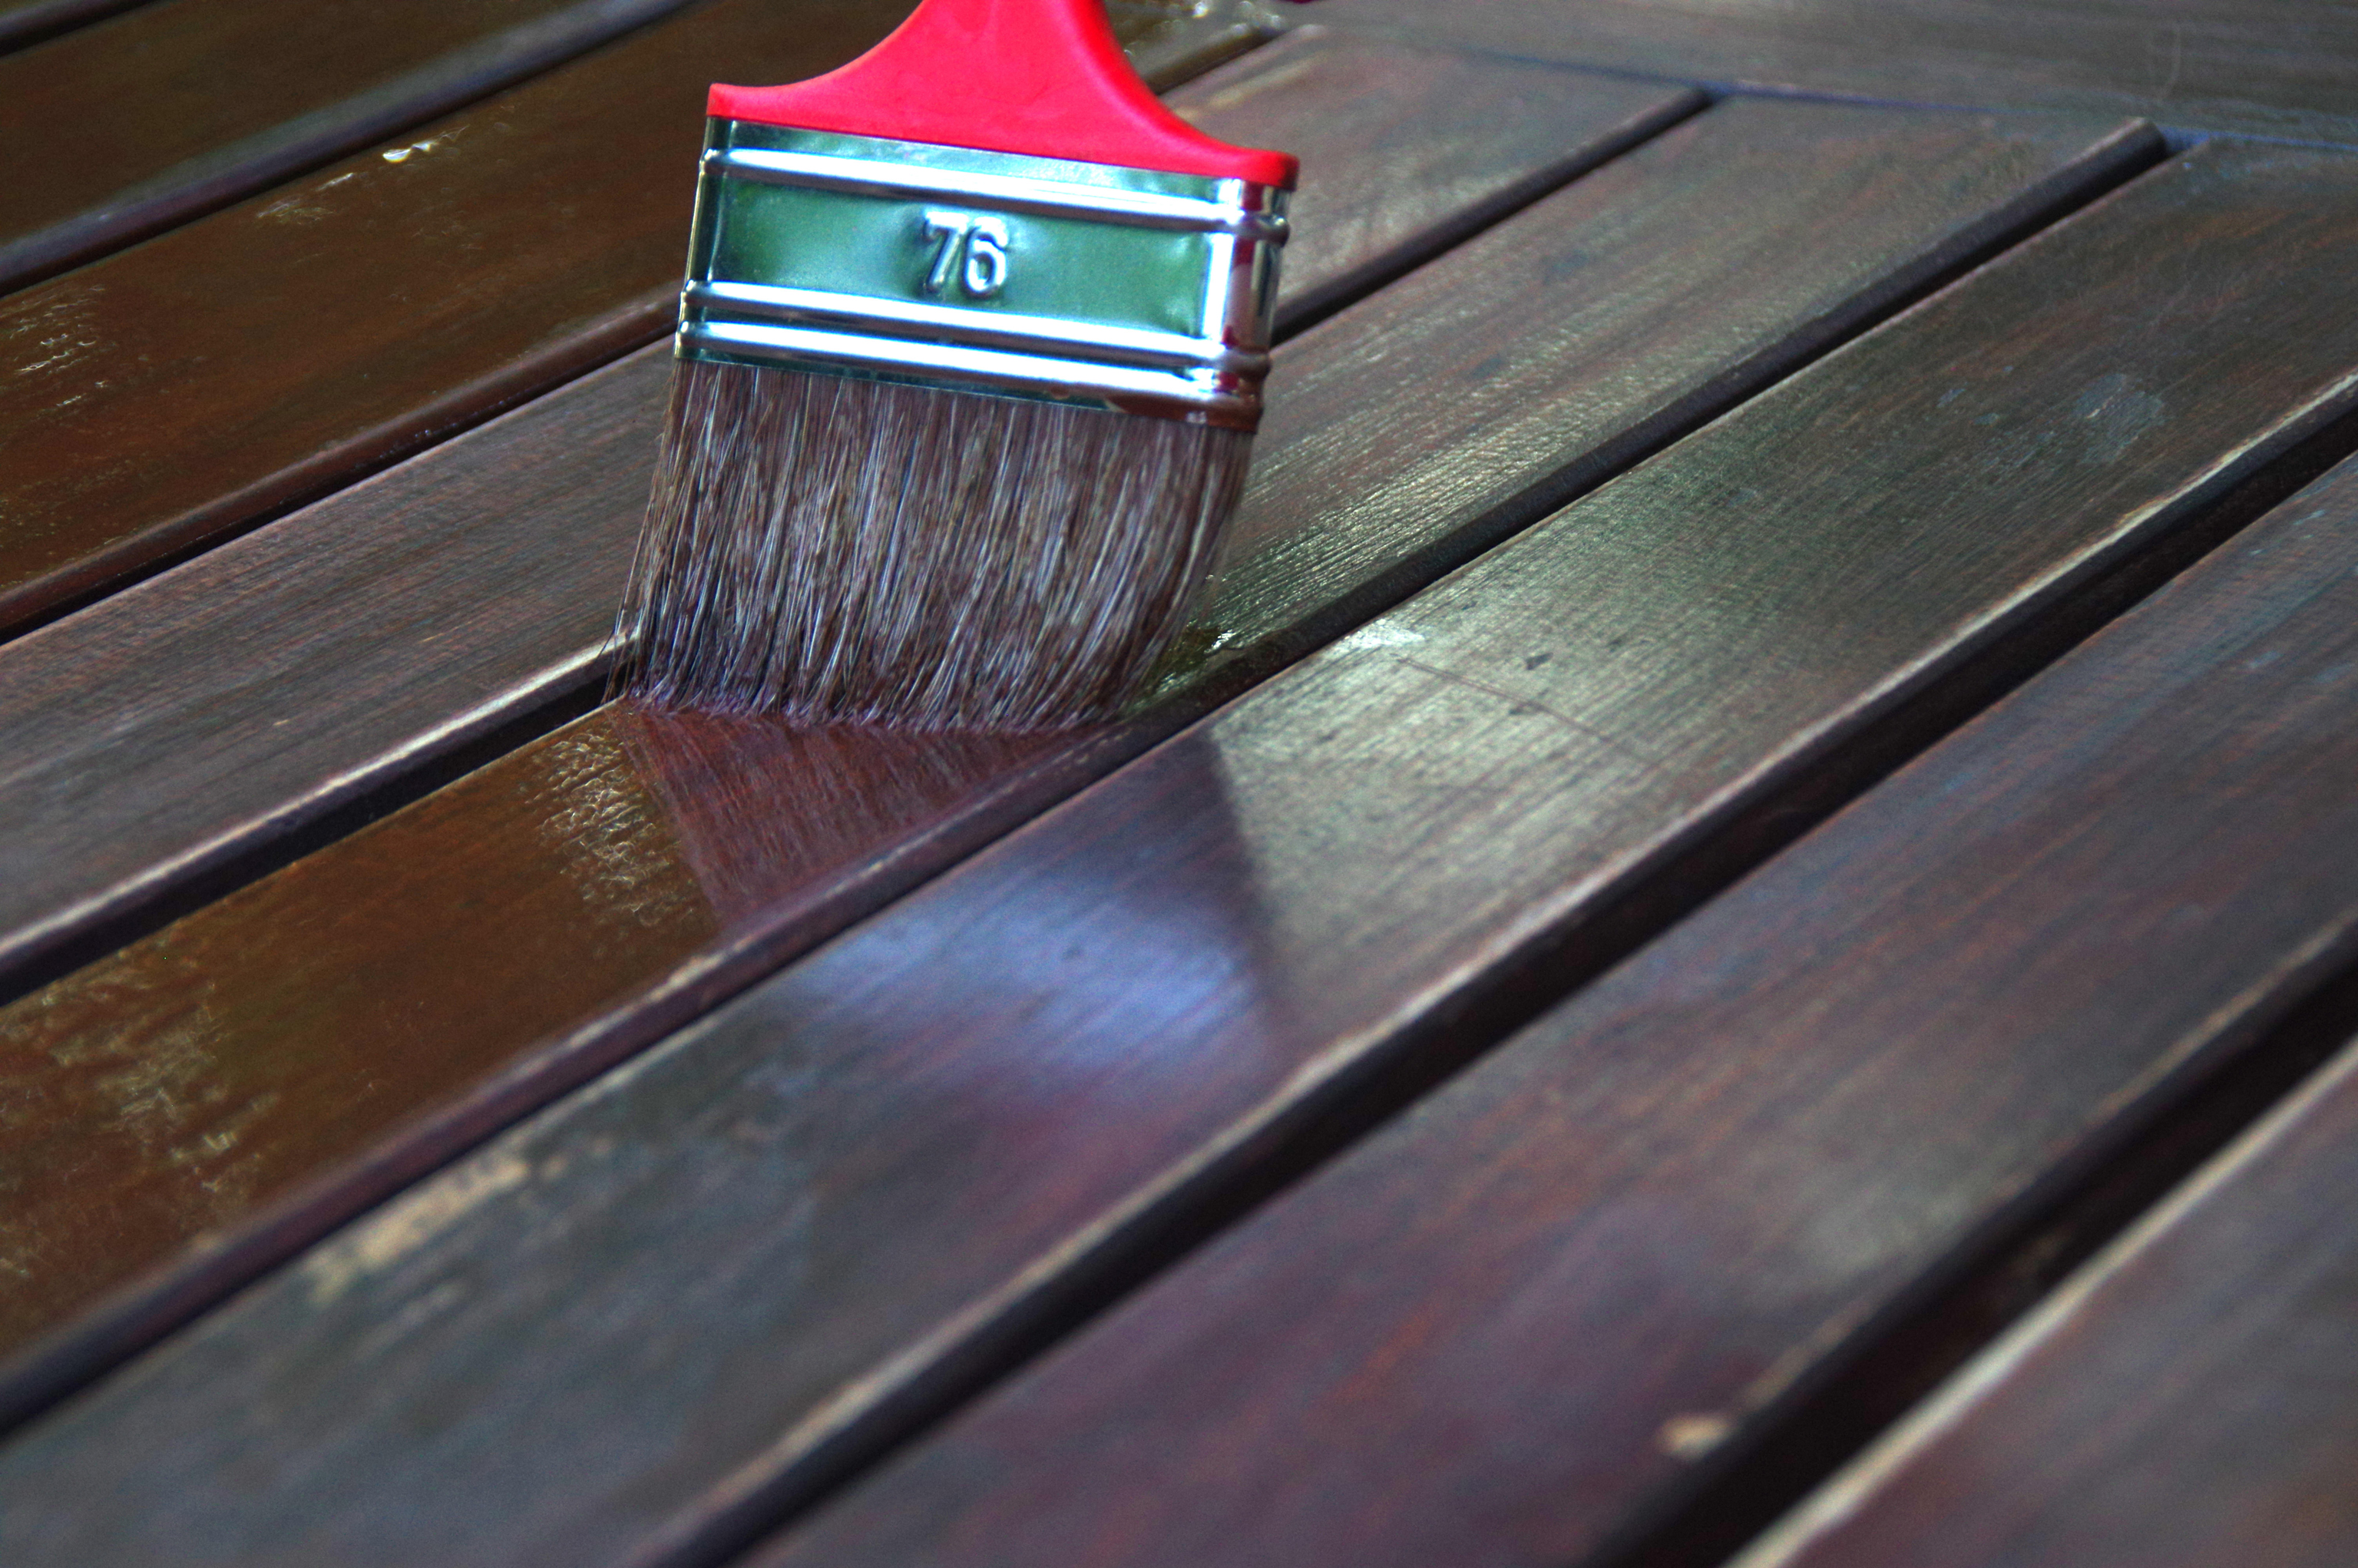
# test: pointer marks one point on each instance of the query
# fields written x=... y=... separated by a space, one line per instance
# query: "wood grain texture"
x=672 y=1305
x=121 y=130
x=161 y=399
x=166 y=395
x=247 y=692
x=2268 y=68
x=254 y=688
x=509 y=547
x=1508 y=1323
x=2189 y=1398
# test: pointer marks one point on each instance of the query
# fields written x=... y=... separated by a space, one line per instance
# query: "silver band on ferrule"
x=1131 y=290
x=1001 y=193
x=1134 y=389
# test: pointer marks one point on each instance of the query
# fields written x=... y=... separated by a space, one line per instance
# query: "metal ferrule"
x=1084 y=283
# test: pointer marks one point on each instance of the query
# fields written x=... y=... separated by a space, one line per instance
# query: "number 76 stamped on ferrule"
x=969 y=248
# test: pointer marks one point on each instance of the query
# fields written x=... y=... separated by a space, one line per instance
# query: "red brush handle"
x=1045 y=78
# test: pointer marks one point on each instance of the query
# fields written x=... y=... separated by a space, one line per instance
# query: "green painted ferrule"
x=989 y=272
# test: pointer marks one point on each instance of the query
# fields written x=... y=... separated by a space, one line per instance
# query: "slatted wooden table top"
x=1734 y=938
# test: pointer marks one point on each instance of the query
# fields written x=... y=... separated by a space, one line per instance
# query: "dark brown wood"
x=198 y=718
x=121 y=130
x=1506 y=1326
x=1171 y=41
x=537 y=514
x=2268 y=68
x=162 y=397
x=30 y=22
x=1442 y=145
x=2189 y=1399
x=678 y=1303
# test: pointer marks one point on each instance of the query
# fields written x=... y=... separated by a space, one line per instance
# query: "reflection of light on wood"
x=173 y=1085
x=1133 y=956
x=761 y=810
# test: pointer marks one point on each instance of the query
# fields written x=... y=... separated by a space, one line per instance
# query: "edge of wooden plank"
x=31 y=22
x=276 y=827
x=1855 y=1489
x=2195 y=486
x=612 y=290
x=2183 y=1063
x=125 y=215
x=1786 y=53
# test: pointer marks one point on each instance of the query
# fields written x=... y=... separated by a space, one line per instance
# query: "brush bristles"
x=845 y=550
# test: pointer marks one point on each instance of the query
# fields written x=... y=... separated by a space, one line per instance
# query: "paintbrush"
x=969 y=360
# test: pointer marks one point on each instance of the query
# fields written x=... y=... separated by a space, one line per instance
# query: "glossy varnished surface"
x=118 y=130
x=1171 y=41
x=2268 y=68
x=849 y=1182
x=1331 y=512
x=1601 y=322
x=669 y=825
x=2190 y=1399
x=196 y=716
x=1503 y=1325
x=205 y=713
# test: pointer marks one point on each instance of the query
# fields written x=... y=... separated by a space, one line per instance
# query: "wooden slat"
x=515 y=583
x=773 y=1240
x=1472 y=138
x=2190 y=1399
x=291 y=672
x=2268 y=68
x=30 y=22
x=166 y=397
x=162 y=397
x=1504 y=1327
x=1171 y=41
x=121 y=130
x=288 y=672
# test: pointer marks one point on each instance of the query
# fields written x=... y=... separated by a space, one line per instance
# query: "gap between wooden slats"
x=1555 y=1312
x=2276 y=70
x=2182 y=1401
x=31 y=21
x=119 y=131
x=158 y=401
x=1421 y=933
x=845 y=862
